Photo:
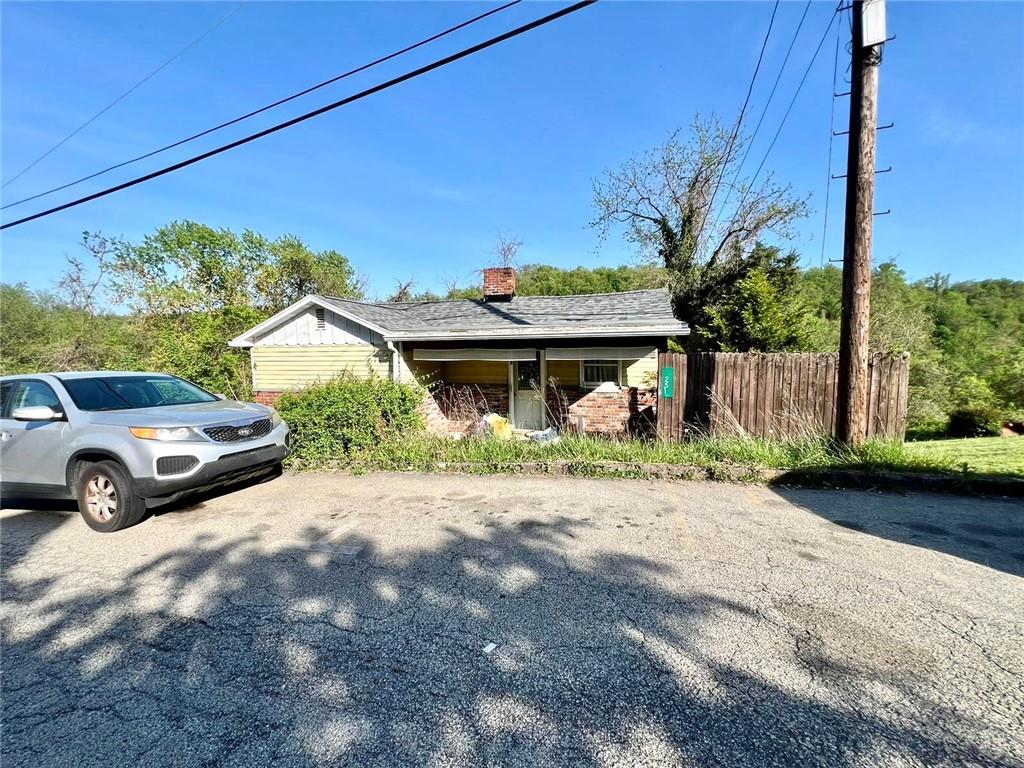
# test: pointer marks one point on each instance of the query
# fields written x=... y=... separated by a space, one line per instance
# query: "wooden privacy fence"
x=772 y=395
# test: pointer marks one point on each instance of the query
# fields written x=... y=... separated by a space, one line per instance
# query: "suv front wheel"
x=106 y=498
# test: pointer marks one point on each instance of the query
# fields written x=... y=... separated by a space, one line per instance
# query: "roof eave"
x=668 y=329
x=248 y=339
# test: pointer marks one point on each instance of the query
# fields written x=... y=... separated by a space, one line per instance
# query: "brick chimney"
x=499 y=283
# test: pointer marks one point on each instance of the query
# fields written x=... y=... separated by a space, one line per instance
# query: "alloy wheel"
x=101 y=497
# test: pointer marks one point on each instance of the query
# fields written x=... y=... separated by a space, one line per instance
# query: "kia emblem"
x=244 y=432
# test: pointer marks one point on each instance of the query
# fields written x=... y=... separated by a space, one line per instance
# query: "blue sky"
x=418 y=181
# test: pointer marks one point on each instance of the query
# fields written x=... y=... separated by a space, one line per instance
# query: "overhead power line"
x=760 y=120
x=831 y=139
x=315 y=113
x=124 y=95
x=792 y=101
x=272 y=105
x=739 y=121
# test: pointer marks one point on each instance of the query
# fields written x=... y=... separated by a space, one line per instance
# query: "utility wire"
x=124 y=95
x=739 y=121
x=760 y=120
x=277 y=103
x=831 y=138
x=799 y=87
x=315 y=113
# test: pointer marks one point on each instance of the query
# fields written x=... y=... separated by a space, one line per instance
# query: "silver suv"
x=121 y=442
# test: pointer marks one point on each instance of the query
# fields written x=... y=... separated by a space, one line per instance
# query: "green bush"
x=980 y=421
x=428 y=453
x=329 y=421
x=926 y=430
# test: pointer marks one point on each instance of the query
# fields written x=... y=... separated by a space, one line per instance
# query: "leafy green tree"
x=190 y=267
x=456 y=293
x=900 y=321
x=190 y=288
x=684 y=206
x=195 y=346
x=965 y=340
x=41 y=332
x=27 y=324
x=760 y=311
x=820 y=290
x=294 y=271
x=544 y=280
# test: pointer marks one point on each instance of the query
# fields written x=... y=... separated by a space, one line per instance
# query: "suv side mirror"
x=36 y=413
x=219 y=396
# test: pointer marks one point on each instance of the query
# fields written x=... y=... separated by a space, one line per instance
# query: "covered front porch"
x=601 y=388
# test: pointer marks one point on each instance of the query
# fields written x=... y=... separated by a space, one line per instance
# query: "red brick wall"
x=628 y=410
x=457 y=407
x=266 y=398
x=499 y=281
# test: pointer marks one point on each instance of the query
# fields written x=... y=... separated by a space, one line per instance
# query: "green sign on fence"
x=668 y=381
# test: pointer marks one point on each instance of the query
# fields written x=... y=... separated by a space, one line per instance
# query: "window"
x=119 y=393
x=527 y=375
x=596 y=372
x=28 y=393
x=321 y=320
x=6 y=388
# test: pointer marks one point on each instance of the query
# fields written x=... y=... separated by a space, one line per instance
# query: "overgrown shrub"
x=926 y=430
x=329 y=421
x=427 y=453
x=980 y=421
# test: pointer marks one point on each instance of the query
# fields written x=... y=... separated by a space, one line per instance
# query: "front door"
x=529 y=405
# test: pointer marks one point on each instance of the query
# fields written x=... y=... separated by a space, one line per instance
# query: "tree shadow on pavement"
x=986 y=531
x=239 y=653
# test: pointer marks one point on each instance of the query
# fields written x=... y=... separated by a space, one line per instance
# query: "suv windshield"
x=119 y=393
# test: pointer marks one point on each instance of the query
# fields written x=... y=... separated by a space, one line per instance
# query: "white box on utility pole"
x=873 y=17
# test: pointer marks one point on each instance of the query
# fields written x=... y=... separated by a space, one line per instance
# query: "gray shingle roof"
x=639 y=312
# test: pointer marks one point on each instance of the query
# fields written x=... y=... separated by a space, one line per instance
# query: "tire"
x=106 y=499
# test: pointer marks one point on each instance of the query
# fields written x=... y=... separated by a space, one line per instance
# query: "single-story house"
x=587 y=362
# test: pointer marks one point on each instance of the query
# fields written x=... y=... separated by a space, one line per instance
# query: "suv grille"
x=233 y=433
x=175 y=465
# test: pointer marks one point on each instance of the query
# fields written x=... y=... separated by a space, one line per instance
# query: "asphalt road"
x=392 y=620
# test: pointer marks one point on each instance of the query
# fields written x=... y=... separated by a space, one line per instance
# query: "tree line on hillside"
x=698 y=226
x=189 y=289
x=169 y=303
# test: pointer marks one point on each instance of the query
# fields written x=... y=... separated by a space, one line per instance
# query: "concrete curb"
x=815 y=478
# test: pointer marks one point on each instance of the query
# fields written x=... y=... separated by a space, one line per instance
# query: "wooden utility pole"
x=860 y=198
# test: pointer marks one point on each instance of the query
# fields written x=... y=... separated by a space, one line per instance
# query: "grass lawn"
x=426 y=452
x=988 y=455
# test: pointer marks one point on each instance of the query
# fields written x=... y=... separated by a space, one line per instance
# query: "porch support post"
x=543 y=389
x=511 y=395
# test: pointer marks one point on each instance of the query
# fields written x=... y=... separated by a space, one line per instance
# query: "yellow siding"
x=423 y=371
x=475 y=372
x=643 y=372
x=639 y=373
x=283 y=368
x=565 y=372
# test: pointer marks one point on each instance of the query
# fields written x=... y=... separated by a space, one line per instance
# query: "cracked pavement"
x=329 y=619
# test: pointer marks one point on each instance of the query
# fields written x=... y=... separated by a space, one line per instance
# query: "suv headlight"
x=167 y=434
x=275 y=418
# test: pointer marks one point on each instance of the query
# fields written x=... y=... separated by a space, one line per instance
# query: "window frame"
x=7 y=405
x=592 y=385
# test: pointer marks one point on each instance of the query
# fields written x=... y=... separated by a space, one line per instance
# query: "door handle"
x=6 y=435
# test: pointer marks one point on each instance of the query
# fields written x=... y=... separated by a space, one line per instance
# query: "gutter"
x=396 y=360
